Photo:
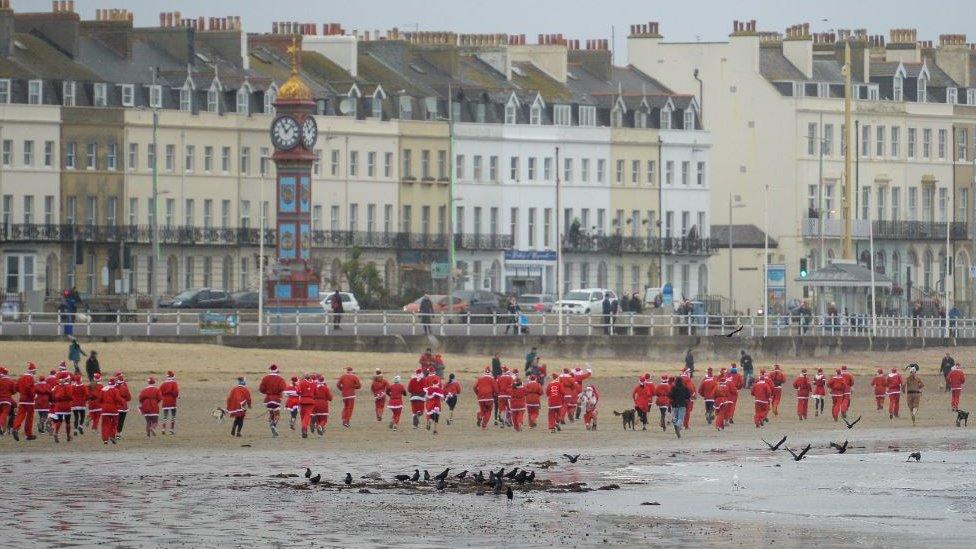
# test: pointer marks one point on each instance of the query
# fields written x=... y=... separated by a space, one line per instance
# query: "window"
x=354 y=217
x=546 y=227
x=601 y=170
x=49 y=210
x=334 y=166
x=829 y=200
x=442 y=164
x=407 y=165
x=640 y=118
x=245 y=213
x=245 y=160
x=493 y=221
x=970 y=95
x=70 y=209
x=535 y=115
x=133 y=156
x=388 y=164
x=371 y=217
x=112 y=157
x=943 y=204
x=425 y=164
x=926 y=143
x=5 y=91
x=91 y=156
x=652 y=172
x=689 y=119
x=353 y=163
x=513 y=227
x=547 y=168
x=828 y=139
x=895 y=144
x=619 y=178
x=133 y=211
x=376 y=107
x=923 y=85
x=701 y=174
x=8 y=152
x=962 y=136
x=531 y=227
x=270 y=96
x=587 y=116
x=68 y=93
x=189 y=154
x=387 y=218
x=562 y=115
x=476 y=167
x=128 y=95
x=962 y=205
x=616 y=117
x=493 y=168
x=665 y=119
x=28 y=153
x=156 y=97
x=585 y=170
x=19 y=273
x=928 y=195
x=370 y=164
x=685 y=172
x=212 y=99
x=669 y=172
x=101 y=95
x=35 y=92
x=811 y=139
x=912 y=203
x=28 y=209
x=895 y=203
x=514 y=168
x=405 y=219
x=207 y=213
x=49 y=154
x=170 y=160
x=406 y=108
x=952 y=96
x=865 y=141
x=170 y=213
x=186 y=98
x=532 y=167
x=911 y=143
x=225 y=213
x=317 y=163
x=866 y=202
x=317 y=217
x=568 y=170
x=479 y=113
x=510 y=113
x=899 y=87
x=92 y=218
x=943 y=140
x=70 y=154
x=880 y=148
x=245 y=278
x=882 y=203
x=225 y=159
x=265 y=162
x=874 y=93
x=208 y=152
x=111 y=210
x=243 y=101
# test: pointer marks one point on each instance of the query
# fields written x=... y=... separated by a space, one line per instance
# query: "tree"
x=363 y=280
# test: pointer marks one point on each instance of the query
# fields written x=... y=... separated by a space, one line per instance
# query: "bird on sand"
x=572 y=459
x=531 y=477
x=798 y=457
x=308 y=472
x=316 y=479
x=443 y=474
x=851 y=424
x=426 y=475
x=841 y=448
x=480 y=477
x=509 y=494
x=520 y=478
x=496 y=483
x=511 y=474
x=402 y=478
x=416 y=475
x=501 y=472
x=461 y=475
x=917 y=456
x=441 y=484
x=348 y=479
x=774 y=447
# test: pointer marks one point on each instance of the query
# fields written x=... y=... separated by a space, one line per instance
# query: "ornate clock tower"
x=291 y=284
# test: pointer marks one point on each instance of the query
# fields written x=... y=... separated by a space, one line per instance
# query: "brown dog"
x=628 y=419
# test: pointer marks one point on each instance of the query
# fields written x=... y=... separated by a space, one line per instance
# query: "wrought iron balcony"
x=618 y=245
x=919 y=230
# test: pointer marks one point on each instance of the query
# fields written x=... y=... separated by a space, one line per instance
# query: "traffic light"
x=803 y=267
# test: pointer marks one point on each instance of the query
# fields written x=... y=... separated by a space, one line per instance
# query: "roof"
x=773 y=65
x=743 y=236
x=884 y=68
x=845 y=275
x=827 y=70
x=938 y=78
x=34 y=57
x=530 y=78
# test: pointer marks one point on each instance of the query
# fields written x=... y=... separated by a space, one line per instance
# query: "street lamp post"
x=450 y=198
x=737 y=205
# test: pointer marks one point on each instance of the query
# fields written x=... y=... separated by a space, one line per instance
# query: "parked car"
x=585 y=301
x=439 y=303
x=481 y=302
x=245 y=300
x=349 y=302
x=204 y=298
x=536 y=303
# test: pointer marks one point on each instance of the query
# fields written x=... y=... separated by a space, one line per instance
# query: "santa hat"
x=396 y=379
x=708 y=371
x=62 y=366
x=151 y=381
x=531 y=377
x=171 y=375
x=894 y=370
x=31 y=367
x=3 y=371
x=273 y=368
x=97 y=376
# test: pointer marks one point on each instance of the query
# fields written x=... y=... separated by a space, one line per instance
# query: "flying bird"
x=841 y=448
x=572 y=459
x=348 y=479
x=308 y=472
x=416 y=475
x=316 y=479
x=461 y=475
x=917 y=456
x=851 y=424
x=774 y=447
x=443 y=474
x=798 y=457
x=509 y=494
x=735 y=331
x=441 y=484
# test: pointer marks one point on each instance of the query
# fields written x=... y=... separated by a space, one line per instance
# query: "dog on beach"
x=219 y=414
x=628 y=419
x=962 y=418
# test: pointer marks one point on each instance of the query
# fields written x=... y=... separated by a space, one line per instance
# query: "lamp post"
x=738 y=204
x=765 y=261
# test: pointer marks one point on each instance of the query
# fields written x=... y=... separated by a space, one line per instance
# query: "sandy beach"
x=203 y=487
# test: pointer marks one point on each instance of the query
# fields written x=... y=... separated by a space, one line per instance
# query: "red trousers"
x=568 y=403
x=348 y=403
x=25 y=417
x=94 y=418
x=503 y=405
x=417 y=407
x=956 y=393
x=893 y=401
x=321 y=420
x=306 y=412
x=5 y=408
x=688 y=408
x=777 y=397
x=879 y=400
x=484 y=412
x=731 y=412
x=533 y=414
x=762 y=410
x=838 y=406
x=517 y=418
x=801 y=407
x=110 y=426
x=554 y=414
x=395 y=412
x=722 y=414
x=847 y=403
x=588 y=418
x=380 y=405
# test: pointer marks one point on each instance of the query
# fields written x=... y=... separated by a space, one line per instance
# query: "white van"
x=349 y=303
x=585 y=301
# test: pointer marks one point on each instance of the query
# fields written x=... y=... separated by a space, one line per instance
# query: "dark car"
x=536 y=303
x=204 y=298
x=481 y=303
x=245 y=300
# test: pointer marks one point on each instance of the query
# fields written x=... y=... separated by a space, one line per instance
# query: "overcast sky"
x=706 y=20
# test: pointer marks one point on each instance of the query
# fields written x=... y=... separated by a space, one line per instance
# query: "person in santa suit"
x=378 y=388
x=912 y=387
x=707 y=389
x=533 y=400
x=348 y=384
x=485 y=390
x=169 y=389
x=395 y=391
x=43 y=392
x=894 y=393
x=452 y=390
x=722 y=402
x=149 y=399
x=79 y=404
x=738 y=382
x=416 y=389
x=111 y=402
x=272 y=386
x=569 y=396
x=955 y=380
x=776 y=378
x=819 y=392
x=7 y=391
x=504 y=384
x=306 y=401
x=803 y=389
x=642 y=401
x=320 y=408
x=685 y=378
x=291 y=401
x=238 y=402
x=123 y=389
x=555 y=401
x=588 y=401
x=95 y=401
x=579 y=376
x=518 y=405
x=849 y=379
x=433 y=398
x=61 y=406
x=762 y=393
x=880 y=385
x=663 y=392
x=837 y=386
x=25 y=404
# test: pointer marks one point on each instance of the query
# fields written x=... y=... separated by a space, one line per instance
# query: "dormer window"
x=666 y=118
x=587 y=115
x=952 y=96
x=479 y=113
x=562 y=115
x=971 y=97
x=376 y=108
x=798 y=89
x=510 y=113
x=101 y=95
x=5 y=91
x=406 y=108
x=186 y=98
x=128 y=95
x=689 y=118
x=899 y=87
x=244 y=100
x=616 y=117
x=640 y=119
x=68 y=93
x=35 y=94
x=535 y=115
x=270 y=95
x=923 y=90
x=156 y=96
x=874 y=92
x=213 y=105
x=823 y=89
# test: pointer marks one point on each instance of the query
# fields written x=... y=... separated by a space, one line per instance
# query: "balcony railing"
x=617 y=245
x=919 y=230
x=834 y=228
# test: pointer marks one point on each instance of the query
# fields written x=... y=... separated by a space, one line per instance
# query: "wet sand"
x=173 y=491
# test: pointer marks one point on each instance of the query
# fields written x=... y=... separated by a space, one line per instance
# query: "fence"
x=199 y=323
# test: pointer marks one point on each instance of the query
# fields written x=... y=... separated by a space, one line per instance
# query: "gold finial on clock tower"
x=294 y=88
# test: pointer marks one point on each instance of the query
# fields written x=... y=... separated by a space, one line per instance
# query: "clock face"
x=310 y=132
x=285 y=133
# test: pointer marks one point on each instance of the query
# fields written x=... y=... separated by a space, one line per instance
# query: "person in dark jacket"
x=335 y=302
x=746 y=361
x=679 y=397
x=426 y=309
x=529 y=362
x=690 y=363
x=607 y=313
x=513 y=316
x=635 y=304
x=75 y=353
x=947 y=363
x=92 y=367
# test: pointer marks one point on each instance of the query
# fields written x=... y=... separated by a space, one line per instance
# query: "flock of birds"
x=495 y=479
x=840 y=447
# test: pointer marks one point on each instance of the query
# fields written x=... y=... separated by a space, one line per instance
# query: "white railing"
x=188 y=323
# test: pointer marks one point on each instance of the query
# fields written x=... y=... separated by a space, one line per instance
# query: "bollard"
x=118 y=323
x=385 y=327
x=30 y=323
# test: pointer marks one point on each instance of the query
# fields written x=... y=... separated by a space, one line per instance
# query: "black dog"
x=628 y=418
x=962 y=417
